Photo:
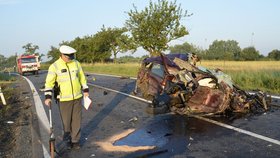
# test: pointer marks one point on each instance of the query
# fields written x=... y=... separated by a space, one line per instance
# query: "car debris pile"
x=174 y=83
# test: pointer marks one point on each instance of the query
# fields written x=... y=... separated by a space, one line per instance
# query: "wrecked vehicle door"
x=174 y=84
x=149 y=79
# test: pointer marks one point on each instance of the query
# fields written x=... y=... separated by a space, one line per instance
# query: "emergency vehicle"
x=28 y=63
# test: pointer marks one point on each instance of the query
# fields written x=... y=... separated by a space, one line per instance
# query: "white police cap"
x=66 y=50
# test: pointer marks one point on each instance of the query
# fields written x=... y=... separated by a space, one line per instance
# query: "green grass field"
x=249 y=75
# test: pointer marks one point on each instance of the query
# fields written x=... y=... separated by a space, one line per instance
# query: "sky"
x=47 y=23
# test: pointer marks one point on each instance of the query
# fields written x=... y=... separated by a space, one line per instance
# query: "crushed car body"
x=174 y=83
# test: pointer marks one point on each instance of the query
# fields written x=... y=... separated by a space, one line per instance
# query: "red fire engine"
x=28 y=63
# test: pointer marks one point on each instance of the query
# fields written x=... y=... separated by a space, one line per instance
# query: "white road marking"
x=272 y=96
x=132 y=96
x=274 y=141
x=133 y=78
x=275 y=97
x=42 y=117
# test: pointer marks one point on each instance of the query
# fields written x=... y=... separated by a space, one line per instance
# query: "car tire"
x=157 y=110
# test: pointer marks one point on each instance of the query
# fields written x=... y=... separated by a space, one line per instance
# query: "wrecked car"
x=174 y=83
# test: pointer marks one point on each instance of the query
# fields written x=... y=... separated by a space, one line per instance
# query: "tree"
x=30 y=49
x=186 y=48
x=53 y=53
x=119 y=41
x=249 y=53
x=7 y=62
x=2 y=58
x=84 y=47
x=102 y=45
x=156 y=25
x=275 y=54
x=11 y=61
x=223 y=50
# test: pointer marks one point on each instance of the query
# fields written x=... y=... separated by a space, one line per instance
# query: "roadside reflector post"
x=2 y=97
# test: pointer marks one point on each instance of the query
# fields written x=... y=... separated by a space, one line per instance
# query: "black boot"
x=67 y=140
x=76 y=145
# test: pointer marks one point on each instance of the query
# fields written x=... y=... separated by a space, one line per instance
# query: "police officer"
x=68 y=74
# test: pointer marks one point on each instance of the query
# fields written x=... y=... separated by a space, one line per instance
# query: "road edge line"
x=43 y=119
x=129 y=95
x=274 y=141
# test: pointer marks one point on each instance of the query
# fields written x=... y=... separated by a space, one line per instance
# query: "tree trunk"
x=115 y=58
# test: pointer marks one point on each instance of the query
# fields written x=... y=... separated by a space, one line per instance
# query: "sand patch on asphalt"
x=107 y=145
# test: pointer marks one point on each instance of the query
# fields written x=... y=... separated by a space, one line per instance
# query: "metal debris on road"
x=133 y=119
x=191 y=138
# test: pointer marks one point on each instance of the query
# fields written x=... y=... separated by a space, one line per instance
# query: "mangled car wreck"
x=174 y=83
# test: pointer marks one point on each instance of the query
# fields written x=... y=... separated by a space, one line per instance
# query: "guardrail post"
x=2 y=97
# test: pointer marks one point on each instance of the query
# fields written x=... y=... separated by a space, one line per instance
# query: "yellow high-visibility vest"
x=70 y=78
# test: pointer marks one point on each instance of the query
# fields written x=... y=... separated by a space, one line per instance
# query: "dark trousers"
x=71 y=114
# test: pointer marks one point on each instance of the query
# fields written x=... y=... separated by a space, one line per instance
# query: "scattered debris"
x=10 y=122
x=133 y=119
x=191 y=138
x=167 y=134
x=99 y=104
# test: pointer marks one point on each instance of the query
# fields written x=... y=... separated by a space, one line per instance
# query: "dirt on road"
x=16 y=120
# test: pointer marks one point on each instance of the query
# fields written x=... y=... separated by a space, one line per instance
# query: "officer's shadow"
x=92 y=125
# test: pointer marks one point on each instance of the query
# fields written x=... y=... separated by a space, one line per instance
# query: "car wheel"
x=151 y=109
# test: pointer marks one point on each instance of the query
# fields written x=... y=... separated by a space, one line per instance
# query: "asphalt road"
x=172 y=135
